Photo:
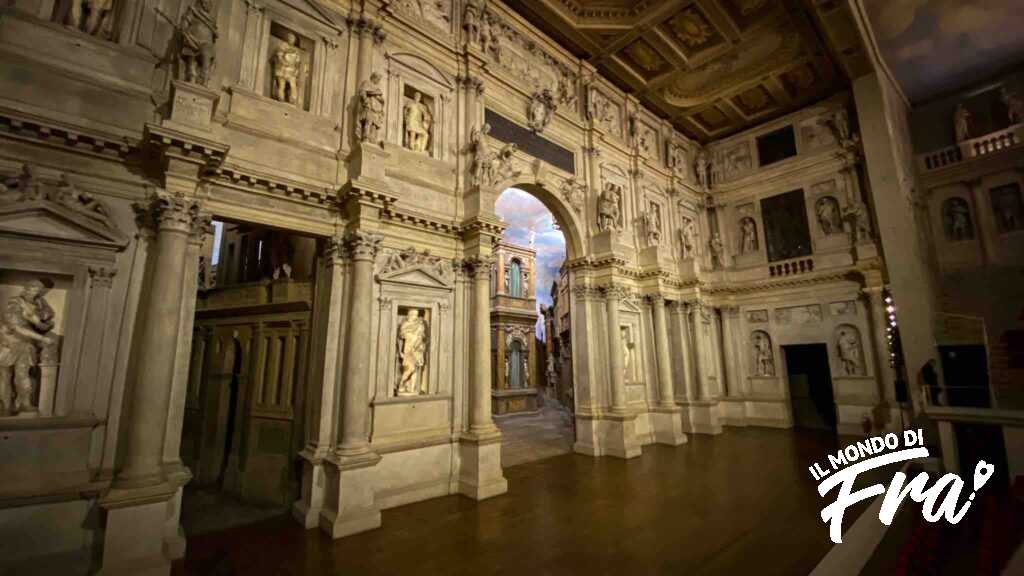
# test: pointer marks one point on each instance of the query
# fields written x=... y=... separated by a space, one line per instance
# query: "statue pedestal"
x=366 y=169
x=656 y=257
x=667 y=422
x=607 y=243
x=192 y=107
x=866 y=250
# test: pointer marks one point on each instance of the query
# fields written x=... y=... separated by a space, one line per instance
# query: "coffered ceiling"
x=713 y=67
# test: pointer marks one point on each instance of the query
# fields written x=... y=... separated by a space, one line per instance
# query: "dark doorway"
x=965 y=368
x=810 y=386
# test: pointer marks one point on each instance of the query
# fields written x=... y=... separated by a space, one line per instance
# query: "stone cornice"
x=241 y=179
x=168 y=142
x=50 y=133
x=423 y=222
x=482 y=225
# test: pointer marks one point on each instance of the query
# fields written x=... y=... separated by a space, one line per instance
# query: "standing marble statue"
x=688 y=238
x=482 y=167
x=962 y=123
x=1014 y=105
x=370 y=113
x=608 y=208
x=716 y=248
x=959 y=221
x=287 y=64
x=471 y=20
x=652 y=225
x=700 y=166
x=412 y=338
x=24 y=333
x=848 y=344
x=828 y=216
x=765 y=362
x=860 y=222
x=90 y=16
x=748 y=230
x=198 y=49
x=418 y=122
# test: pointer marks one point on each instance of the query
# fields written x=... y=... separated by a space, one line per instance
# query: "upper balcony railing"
x=975 y=147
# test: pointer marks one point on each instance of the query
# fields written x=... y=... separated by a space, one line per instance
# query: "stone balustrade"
x=791 y=267
x=975 y=147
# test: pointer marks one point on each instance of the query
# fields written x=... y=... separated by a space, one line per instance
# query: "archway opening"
x=243 y=422
x=529 y=399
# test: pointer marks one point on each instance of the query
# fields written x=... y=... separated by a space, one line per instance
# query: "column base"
x=135 y=537
x=314 y=487
x=702 y=417
x=480 y=473
x=349 y=506
x=620 y=439
x=667 y=422
x=607 y=434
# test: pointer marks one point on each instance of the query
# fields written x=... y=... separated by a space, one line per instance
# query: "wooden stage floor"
x=739 y=503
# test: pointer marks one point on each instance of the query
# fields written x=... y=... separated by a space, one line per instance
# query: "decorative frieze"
x=798 y=314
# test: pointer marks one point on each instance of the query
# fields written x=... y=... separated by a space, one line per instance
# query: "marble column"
x=733 y=378
x=699 y=354
x=348 y=504
x=666 y=417
x=666 y=397
x=679 y=312
x=619 y=437
x=613 y=295
x=704 y=408
x=480 y=421
x=174 y=217
x=879 y=337
x=367 y=33
x=480 y=473
x=354 y=439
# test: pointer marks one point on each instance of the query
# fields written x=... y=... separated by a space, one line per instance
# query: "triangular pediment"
x=419 y=275
x=315 y=10
x=630 y=305
x=45 y=220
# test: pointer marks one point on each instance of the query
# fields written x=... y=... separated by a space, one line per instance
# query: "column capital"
x=479 y=266
x=731 y=311
x=584 y=292
x=173 y=212
x=655 y=299
x=677 y=306
x=362 y=245
x=363 y=26
x=102 y=277
x=470 y=82
x=614 y=291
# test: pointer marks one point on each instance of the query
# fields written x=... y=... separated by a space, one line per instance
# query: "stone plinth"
x=609 y=243
x=192 y=107
x=512 y=401
x=349 y=506
x=480 y=474
x=656 y=256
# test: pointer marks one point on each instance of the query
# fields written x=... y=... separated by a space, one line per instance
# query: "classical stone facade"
x=383 y=134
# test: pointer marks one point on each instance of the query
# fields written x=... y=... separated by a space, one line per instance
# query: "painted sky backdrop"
x=934 y=46
x=526 y=218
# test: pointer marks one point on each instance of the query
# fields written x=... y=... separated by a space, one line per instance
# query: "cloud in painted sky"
x=528 y=219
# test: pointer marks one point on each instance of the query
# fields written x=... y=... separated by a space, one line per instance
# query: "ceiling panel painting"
x=711 y=67
x=934 y=46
